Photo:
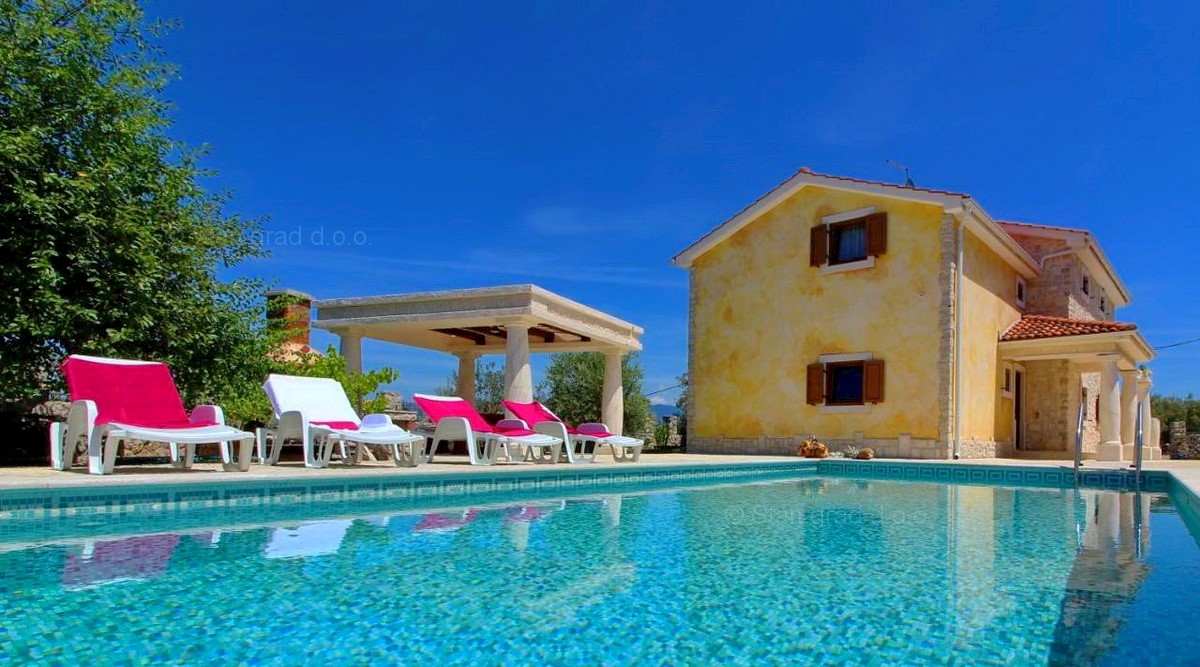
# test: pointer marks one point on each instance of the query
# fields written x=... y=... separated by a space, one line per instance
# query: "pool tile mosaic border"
x=995 y=475
x=28 y=504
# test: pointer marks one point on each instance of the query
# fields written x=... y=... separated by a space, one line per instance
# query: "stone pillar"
x=1143 y=397
x=1128 y=405
x=351 y=350
x=465 y=387
x=518 y=377
x=1110 y=414
x=612 y=402
x=1156 y=437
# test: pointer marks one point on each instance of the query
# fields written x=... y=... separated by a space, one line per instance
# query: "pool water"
x=813 y=569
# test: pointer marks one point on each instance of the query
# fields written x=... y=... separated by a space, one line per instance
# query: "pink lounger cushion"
x=535 y=413
x=337 y=426
x=135 y=393
x=457 y=407
x=594 y=431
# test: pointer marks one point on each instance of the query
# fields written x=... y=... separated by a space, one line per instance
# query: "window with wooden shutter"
x=816 y=384
x=876 y=234
x=818 y=250
x=873 y=381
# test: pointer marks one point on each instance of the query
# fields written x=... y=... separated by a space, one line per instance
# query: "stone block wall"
x=1048 y=390
x=902 y=447
x=1039 y=247
x=1184 y=445
x=1089 y=391
x=1059 y=290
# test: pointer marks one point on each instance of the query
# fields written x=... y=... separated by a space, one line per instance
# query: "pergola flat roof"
x=478 y=320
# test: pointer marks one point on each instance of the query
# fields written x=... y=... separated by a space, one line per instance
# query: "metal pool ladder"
x=1079 y=440
x=1137 y=445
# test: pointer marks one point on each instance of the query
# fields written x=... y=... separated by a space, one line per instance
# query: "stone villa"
x=908 y=320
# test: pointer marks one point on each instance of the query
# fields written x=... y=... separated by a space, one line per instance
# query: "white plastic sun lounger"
x=456 y=419
x=541 y=419
x=123 y=399
x=316 y=413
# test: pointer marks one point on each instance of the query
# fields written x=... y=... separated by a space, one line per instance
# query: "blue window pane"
x=847 y=384
x=850 y=243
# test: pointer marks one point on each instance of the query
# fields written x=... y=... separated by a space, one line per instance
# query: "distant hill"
x=661 y=411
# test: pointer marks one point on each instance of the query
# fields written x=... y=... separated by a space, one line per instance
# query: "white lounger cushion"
x=309 y=407
x=189 y=436
x=318 y=399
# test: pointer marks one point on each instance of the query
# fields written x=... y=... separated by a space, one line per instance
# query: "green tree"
x=1176 y=408
x=489 y=387
x=574 y=385
x=111 y=245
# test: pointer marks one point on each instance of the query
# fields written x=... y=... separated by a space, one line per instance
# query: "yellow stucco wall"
x=988 y=309
x=761 y=314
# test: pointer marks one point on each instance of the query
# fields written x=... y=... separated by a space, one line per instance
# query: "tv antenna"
x=908 y=181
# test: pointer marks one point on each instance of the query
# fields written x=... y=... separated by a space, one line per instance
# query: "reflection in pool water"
x=833 y=569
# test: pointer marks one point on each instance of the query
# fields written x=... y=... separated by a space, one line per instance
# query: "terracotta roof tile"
x=1045 y=326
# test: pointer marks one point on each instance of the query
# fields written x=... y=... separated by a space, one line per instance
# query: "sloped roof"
x=865 y=181
x=1030 y=327
x=987 y=229
x=1035 y=229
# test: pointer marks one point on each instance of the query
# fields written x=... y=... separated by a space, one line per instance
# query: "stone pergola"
x=514 y=320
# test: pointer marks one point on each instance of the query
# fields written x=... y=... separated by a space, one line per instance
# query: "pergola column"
x=350 y=345
x=1110 y=413
x=518 y=376
x=1128 y=405
x=465 y=387
x=1143 y=397
x=612 y=402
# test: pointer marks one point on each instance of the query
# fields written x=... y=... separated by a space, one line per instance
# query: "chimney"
x=292 y=311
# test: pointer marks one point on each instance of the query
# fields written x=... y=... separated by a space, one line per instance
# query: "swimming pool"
x=803 y=568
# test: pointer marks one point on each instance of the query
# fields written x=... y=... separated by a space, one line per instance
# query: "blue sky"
x=579 y=146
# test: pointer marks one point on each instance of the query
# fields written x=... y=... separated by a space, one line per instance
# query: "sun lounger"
x=455 y=419
x=316 y=413
x=121 y=399
x=541 y=419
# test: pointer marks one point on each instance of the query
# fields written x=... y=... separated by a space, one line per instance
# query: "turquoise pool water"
x=810 y=569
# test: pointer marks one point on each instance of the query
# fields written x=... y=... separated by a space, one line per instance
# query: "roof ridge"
x=1039 y=225
x=853 y=179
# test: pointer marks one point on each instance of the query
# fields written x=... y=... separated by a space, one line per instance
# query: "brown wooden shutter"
x=816 y=384
x=818 y=249
x=873 y=381
x=876 y=234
